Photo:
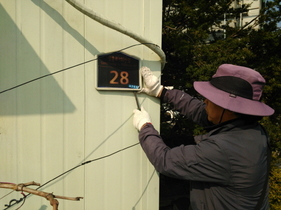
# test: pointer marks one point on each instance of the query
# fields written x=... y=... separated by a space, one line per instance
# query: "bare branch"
x=49 y=196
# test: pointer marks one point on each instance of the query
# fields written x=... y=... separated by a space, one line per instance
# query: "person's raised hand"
x=152 y=85
x=141 y=117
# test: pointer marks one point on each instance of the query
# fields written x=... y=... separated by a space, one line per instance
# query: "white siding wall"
x=53 y=124
x=254 y=9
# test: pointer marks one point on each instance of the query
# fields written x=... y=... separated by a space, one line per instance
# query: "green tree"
x=200 y=35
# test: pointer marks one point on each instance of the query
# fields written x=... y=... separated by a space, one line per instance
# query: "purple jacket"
x=227 y=168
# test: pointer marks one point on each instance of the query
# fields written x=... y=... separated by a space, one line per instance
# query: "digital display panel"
x=118 y=71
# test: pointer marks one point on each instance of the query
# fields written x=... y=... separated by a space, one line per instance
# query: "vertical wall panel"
x=57 y=122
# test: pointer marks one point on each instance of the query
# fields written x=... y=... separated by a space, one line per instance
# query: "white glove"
x=152 y=85
x=140 y=118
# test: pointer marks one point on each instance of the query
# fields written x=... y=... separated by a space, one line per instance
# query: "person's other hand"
x=152 y=85
x=141 y=117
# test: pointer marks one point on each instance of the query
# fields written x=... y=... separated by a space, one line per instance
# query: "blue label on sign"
x=134 y=86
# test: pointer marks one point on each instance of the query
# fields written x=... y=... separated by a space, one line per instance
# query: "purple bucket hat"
x=236 y=88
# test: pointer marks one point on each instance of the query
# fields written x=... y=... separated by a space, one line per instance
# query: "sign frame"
x=118 y=71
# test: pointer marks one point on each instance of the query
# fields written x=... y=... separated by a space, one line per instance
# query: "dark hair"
x=249 y=118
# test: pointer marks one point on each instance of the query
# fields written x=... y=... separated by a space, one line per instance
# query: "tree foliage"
x=200 y=35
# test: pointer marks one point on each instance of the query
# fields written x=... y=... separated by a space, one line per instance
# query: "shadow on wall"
x=44 y=207
x=19 y=63
x=60 y=20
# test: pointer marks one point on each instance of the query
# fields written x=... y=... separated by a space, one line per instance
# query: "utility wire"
x=118 y=27
x=65 y=69
x=41 y=77
x=82 y=164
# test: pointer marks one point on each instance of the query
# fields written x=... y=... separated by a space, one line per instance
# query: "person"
x=228 y=166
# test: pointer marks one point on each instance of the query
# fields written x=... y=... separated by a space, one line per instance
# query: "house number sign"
x=118 y=71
